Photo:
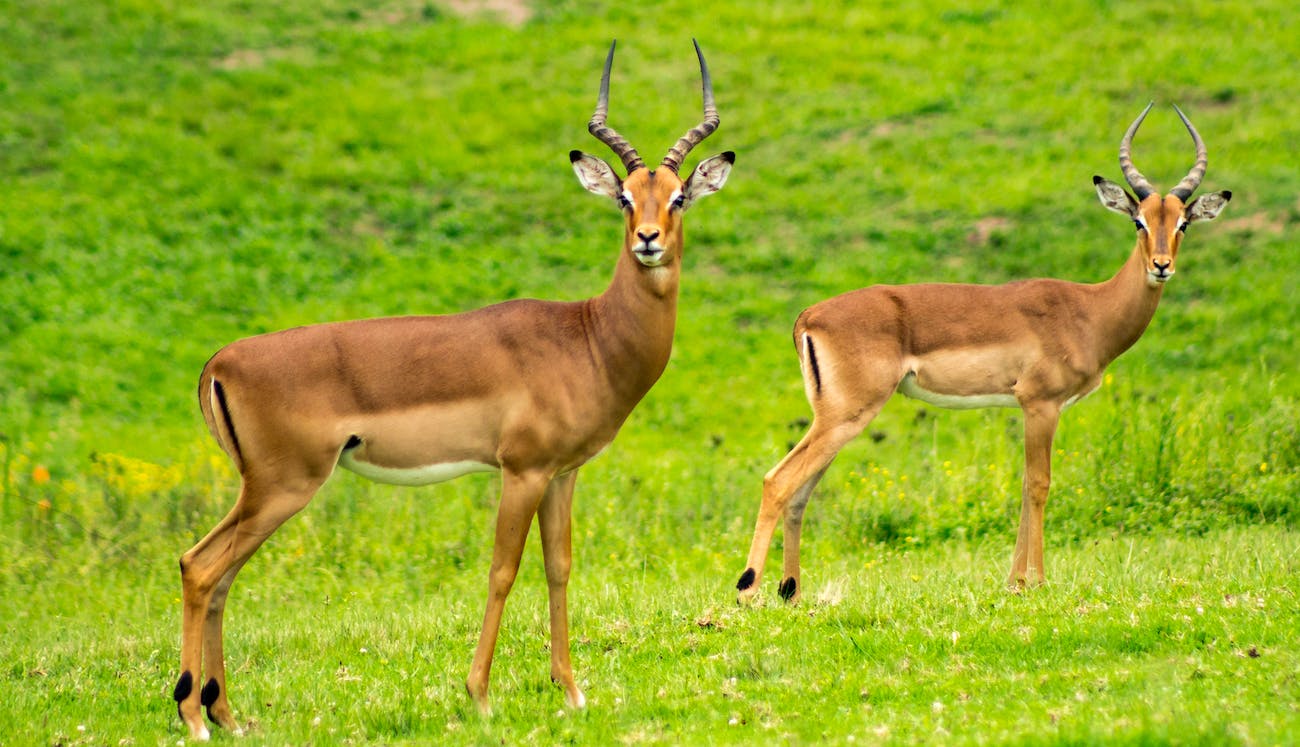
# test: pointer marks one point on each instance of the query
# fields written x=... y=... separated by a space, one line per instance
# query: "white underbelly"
x=910 y=388
x=425 y=475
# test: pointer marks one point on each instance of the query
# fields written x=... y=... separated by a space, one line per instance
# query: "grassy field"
x=179 y=175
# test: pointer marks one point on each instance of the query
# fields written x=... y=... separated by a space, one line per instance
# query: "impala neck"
x=633 y=321
x=1128 y=304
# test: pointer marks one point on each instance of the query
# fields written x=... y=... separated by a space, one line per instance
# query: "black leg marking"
x=787 y=588
x=208 y=696
x=184 y=686
x=746 y=580
x=210 y=691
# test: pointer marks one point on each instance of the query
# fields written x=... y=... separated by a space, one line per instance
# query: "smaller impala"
x=1037 y=344
x=529 y=389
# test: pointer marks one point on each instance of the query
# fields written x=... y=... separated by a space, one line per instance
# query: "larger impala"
x=1037 y=344
x=532 y=389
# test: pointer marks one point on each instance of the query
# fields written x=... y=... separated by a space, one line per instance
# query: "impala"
x=1037 y=344
x=530 y=389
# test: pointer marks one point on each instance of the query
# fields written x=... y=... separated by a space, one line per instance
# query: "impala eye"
x=679 y=201
x=624 y=202
x=1138 y=224
x=1182 y=227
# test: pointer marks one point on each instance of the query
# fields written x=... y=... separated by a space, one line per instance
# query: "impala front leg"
x=1040 y=430
x=554 y=521
x=521 y=492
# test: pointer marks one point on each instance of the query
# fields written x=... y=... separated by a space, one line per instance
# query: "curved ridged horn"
x=1139 y=183
x=1190 y=182
x=696 y=134
x=616 y=142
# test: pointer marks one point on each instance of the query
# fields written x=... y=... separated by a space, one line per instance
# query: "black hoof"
x=787 y=588
x=746 y=579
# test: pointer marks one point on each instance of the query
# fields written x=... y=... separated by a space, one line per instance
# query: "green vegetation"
x=177 y=175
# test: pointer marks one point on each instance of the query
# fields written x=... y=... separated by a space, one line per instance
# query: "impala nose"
x=1162 y=265
x=647 y=234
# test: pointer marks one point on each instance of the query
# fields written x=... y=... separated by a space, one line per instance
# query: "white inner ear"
x=597 y=177
x=707 y=178
x=1206 y=207
x=1115 y=198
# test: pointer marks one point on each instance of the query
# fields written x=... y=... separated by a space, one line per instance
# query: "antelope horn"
x=1190 y=182
x=696 y=134
x=616 y=142
x=1139 y=183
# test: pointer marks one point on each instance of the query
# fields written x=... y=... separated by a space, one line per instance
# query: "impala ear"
x=708 y=177
x=1116 y=197
x=597 y=177
x=1207 y=206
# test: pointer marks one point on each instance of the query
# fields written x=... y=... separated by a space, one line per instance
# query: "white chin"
x=1155 y=281
x=650 y=260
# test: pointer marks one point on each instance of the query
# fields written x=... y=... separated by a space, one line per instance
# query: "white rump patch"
x=425 y=475
x=910 y=388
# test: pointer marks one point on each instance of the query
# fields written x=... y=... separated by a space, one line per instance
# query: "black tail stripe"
x=225 y=415
x=812 y=361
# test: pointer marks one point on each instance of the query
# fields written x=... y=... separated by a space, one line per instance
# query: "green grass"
x=176 y=176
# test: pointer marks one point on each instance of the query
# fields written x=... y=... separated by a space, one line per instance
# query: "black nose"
x=1161 y=265
x=648 y=235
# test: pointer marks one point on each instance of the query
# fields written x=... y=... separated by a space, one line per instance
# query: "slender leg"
x=206 y=573
x=214 y=694
x=553 y=519
x=790 y=590
x=797 y=472
x=1040 y=430
x=521 y=492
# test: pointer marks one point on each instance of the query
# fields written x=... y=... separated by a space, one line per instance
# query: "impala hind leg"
x=790 y=590
x=521 y=493
x=554 y=521
x=795 y=476
x=207 y=571
x=1040 y=430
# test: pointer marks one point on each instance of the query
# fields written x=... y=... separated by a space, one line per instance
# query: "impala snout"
x=1161 y=269
x=647 y=248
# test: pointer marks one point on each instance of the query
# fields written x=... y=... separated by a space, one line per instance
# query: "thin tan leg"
x=554 y=520
x=790 y=589
x=214 y=659
x=797 y=471
x=206 y=573
x=520 y=495
x=1040 y=430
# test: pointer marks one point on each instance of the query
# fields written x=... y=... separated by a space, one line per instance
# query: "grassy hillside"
x=176 y=176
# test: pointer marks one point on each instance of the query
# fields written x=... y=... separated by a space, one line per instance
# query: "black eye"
x=623 y=202
x=1138 y=224
x=1182 y=226
x=679 y=201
